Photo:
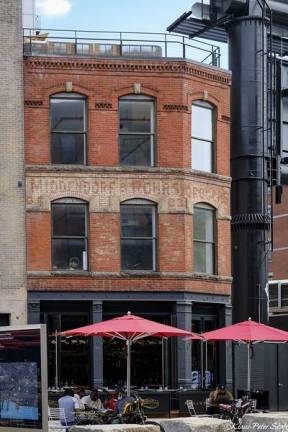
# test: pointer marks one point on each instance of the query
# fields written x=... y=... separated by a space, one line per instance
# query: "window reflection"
x=68 y=129
x=203 y=228
x=69 y=235
x=136 y=130
x=138 y=235
x=202 y=136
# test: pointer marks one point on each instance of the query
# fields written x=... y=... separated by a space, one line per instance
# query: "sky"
x=111 y=15
x=114 y=15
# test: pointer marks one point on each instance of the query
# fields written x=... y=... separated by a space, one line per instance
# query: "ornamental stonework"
x=104 y=193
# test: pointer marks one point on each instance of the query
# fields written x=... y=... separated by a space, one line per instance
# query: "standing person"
x=68 y=403
x=92 y=401
x=219 y=396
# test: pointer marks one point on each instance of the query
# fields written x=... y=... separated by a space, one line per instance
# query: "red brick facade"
x=102 y=183
x=278 y=266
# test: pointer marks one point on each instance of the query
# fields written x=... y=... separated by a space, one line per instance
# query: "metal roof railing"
x=51 y=42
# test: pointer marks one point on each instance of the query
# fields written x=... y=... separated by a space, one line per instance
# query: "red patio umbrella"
x=248 y=332
x=129 y=328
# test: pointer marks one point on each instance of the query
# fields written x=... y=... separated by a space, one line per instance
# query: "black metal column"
x=97 y=346
x=248 y=57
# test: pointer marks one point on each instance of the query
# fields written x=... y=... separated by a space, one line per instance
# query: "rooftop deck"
x=102 y=44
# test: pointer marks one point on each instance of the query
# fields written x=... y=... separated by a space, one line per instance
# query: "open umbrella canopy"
x=247 y=331
x=129 y=327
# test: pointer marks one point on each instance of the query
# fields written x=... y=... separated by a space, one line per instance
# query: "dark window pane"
x=137 y=221
x=202 y=155
x=284 y=295
x=69 y=220
x=69 y=254
x=137 y=254
x=204 y=257
x=135 y=116
x=203 y=224
x=67 y=114
x=136 y=150
x=273 y=295
x=202 y=122
x=4 y=319
x=67 y=148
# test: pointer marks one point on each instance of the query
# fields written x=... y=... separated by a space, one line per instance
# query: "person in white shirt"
x=92 y=401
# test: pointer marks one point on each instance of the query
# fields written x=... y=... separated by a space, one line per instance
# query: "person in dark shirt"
x=219 y=396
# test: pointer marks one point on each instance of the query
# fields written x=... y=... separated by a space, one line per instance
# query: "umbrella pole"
x=249 y=369
x=128 y=343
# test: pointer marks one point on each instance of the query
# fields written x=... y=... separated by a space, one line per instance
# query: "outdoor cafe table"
x=185 y=424
x=272 y=421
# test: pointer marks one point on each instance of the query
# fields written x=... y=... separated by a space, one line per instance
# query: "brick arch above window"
x=127 y=91
x=49 y=92
x=219 y=105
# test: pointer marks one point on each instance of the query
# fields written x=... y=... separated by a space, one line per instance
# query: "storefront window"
x=68 y=358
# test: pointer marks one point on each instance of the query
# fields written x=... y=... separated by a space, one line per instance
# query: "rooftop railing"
x=136 y=45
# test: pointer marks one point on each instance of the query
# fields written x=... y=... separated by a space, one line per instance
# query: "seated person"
x=219 y=396
x=92 y=401
x=111 y=401
x=68 y=403
x=120 y=404
x=78 y=402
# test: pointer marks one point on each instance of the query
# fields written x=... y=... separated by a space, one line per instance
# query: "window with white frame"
x=69 y=234
x=137 y=130
x=202 y=140
x=204 y=239
x=278 y=296
x=68 y=129
x=138 y=235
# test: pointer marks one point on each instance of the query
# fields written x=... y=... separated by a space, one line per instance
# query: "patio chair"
x=55 y=417
x=190 y=406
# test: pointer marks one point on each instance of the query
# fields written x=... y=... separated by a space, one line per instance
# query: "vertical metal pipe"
x=249 y=177
x=128 y=343
x=56 y=361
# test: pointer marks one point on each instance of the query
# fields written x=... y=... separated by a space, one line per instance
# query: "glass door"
x=204 y=355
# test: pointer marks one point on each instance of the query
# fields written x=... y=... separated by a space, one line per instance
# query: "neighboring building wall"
x=12 y=185
x=279 y=264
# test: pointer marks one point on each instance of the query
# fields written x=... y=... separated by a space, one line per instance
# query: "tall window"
x=278 y=296
x=202 y=137
x=204 y=247
x=138 y=235
x=69 y=235
x=68 y=129
x=285 y=127
x=136 y=130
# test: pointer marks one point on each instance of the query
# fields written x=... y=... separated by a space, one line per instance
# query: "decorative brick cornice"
x=33 y=103
x=103 y=106
x=182 y=67
x=177 y=108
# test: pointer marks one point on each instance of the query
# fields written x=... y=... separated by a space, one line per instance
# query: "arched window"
x=202 y=142
x=204 y=238
x=138 y=235
x=69 y=234
x=137 y=130
x=68 y=129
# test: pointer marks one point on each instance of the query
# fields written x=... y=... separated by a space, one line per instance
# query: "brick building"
x=123 y=213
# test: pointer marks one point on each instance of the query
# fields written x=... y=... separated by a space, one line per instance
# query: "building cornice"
x=143 y=66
